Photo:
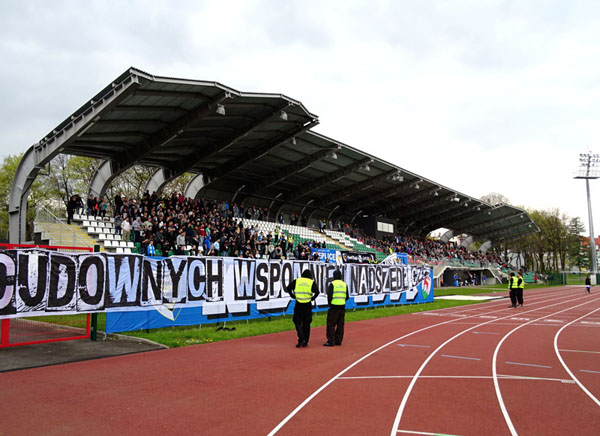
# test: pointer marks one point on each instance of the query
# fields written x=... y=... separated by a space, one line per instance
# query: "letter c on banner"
x=196 y=280
x=7 y=285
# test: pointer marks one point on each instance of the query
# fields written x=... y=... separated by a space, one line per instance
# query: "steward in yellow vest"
x=337 y=295
x=512 y=287
x=304 y=290
x=520 y=287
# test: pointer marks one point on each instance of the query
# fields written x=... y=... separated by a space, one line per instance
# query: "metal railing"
x=65 y=233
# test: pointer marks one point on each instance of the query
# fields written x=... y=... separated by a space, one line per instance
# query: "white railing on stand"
x=44 y=215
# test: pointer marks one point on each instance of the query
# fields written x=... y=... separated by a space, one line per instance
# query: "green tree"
x=578 y=254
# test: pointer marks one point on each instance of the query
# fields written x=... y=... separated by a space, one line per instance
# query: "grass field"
x=190 y=335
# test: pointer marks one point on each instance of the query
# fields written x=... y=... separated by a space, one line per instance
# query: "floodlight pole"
x=587 y=171
x=592 y=240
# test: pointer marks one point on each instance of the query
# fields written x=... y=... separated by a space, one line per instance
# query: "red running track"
x=478 y=370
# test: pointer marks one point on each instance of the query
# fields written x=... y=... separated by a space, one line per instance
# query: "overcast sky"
x=480 y=96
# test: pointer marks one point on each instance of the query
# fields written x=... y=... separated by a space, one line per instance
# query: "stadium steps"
x=332 y=241
x=63 y=234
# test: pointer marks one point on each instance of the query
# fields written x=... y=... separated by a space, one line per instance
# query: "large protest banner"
x=183 y=290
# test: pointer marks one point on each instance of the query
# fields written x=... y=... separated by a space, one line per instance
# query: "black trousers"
x=335 y=324
x=302 y=319
x=513 y=296
x=519 y=295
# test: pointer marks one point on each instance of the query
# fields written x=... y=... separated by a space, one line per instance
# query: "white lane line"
x=521 y=319
x=460 y=357
x=590 y=322
x=458 y=377
x=412 y=345
x=589 y=370
x=562 y=362
x=554 y=320
x=493 y=309
x=579 y=351
x=410 y=387
x=507 y=418
x=488 y=316
x=528 y=364
x=426 y=433
x=485 y=333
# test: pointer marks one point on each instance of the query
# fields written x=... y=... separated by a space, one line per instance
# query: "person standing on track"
x=337 y=295
x=520 y=287
x=304 y=290
x=512 y=286
x=588 y=284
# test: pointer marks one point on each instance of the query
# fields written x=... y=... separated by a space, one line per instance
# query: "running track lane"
x=237 y=387
x=391 y=369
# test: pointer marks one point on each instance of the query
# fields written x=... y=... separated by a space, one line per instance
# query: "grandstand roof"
x=258 y=148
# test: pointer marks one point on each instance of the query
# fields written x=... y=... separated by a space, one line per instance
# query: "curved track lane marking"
x=426 y=362
x=562 y=362
x=319 y=390
x=509 y=422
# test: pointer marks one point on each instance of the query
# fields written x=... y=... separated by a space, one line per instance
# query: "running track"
x=478 y=370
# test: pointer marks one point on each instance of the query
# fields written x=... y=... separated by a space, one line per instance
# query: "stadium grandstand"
x=256 y=152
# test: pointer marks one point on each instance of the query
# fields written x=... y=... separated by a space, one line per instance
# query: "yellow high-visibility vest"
x=339 y=293
x=303 y=290
x=512 y=283
x=522 y=285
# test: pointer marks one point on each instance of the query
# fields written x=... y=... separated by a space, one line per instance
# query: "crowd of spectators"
x=175 y=224
x=431 y=251
x=178 y=225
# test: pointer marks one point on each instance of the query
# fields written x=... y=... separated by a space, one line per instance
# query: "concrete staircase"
x=63 y=234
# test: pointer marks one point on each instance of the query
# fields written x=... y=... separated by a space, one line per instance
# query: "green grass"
x=191 y=335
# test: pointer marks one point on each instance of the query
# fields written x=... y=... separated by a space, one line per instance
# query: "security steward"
x=304 y=290
x=520 y=287
x=337 y=295
x=512 y=286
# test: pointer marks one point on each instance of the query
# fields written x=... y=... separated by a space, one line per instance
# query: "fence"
x=37 y=330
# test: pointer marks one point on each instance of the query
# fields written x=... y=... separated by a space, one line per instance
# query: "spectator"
x=71 y=206
x=126 y=227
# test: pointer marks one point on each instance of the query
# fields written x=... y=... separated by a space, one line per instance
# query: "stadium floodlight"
x=589 y=168
x=365 y=167
x=220 y=109
x=283 y=115
x=332 y=154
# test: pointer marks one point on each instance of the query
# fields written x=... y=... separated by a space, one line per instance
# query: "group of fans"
x=175 y=224
x=178 y=225
x=430 y=251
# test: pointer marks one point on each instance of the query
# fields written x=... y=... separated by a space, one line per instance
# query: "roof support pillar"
x=101 y=179
x=38 y=155
x=237 y=192
x=485 y=246
x=158 y=180
x=467 y=242
x=194 y=187
x=447 y=236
